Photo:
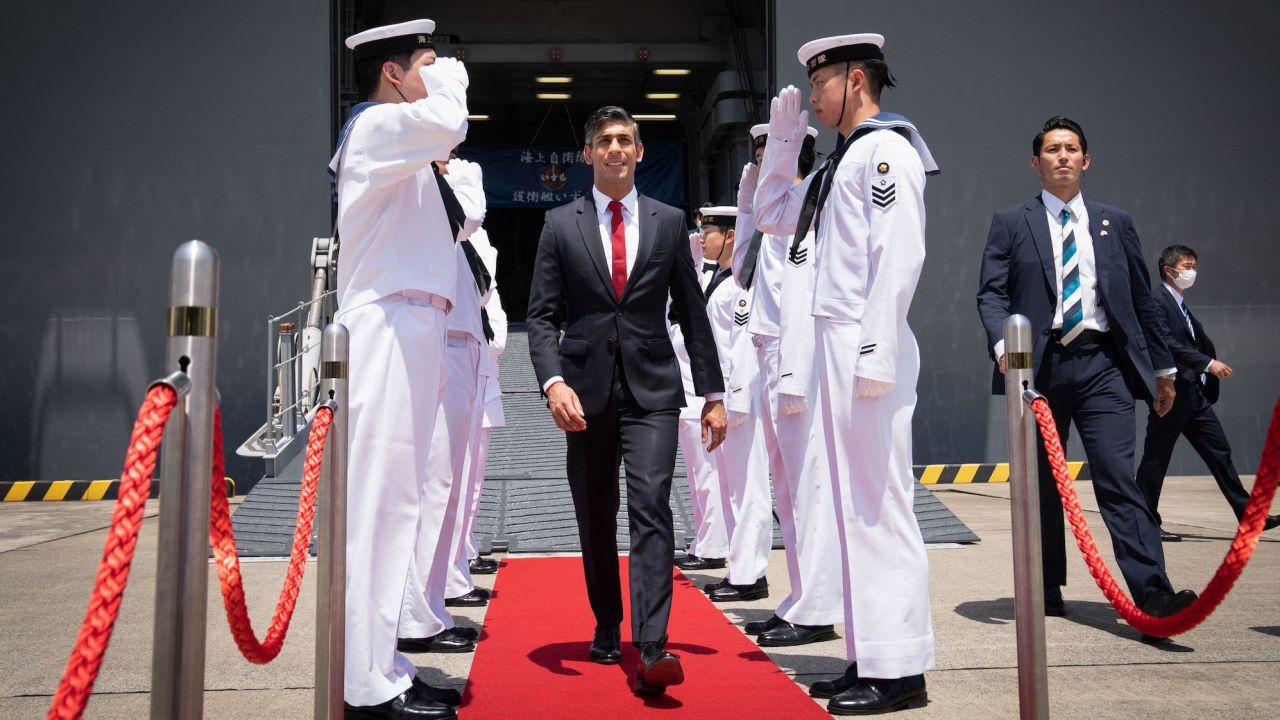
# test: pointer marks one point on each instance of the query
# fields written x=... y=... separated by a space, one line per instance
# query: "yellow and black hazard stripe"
x=971 y=473
x=55 y=490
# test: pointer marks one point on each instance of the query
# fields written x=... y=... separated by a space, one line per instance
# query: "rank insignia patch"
x=882 y=168
x=884 y=191
x=740 y=318
x=797 y=255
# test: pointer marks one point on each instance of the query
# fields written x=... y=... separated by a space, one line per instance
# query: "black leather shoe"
x=826 y=689
x=694 y=562
x=741 y=593
x=471 y=599
x=606 y=646
x=412 y=704
x=788 y=634
x=465 y=632
x=1166 y=536
x=446 y=641
x=1054 y=605
x=758 y=626
x=1159 y=603
x=657 y=670
x=711 y=587
x=1273 y=521
x=448 y=696
x=868 y=696
x=485 y=593
x=483 y=566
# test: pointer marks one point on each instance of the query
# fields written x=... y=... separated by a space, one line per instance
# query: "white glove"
x=747 y=187
x=736 y=418
x=695 y=248
x=865 y=388
x=792 y=404
x=496 y=349
x=787 y=122
x=443 y=71
x=459 y=171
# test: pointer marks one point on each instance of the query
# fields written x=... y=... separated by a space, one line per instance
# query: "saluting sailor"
x=425 y=622
x=781 y=330
x=866 y=203
x=396 y=282
x=741 y=463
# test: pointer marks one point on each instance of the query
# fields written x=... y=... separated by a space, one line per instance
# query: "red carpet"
x=532 y=660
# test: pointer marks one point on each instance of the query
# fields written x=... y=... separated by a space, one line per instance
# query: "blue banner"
x=544 y=176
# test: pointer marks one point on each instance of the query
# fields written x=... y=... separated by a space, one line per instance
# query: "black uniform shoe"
x=711 y=587
x=606 y=646
x=412 y=704
x=1054 y=605
x=826 y=689
x=758 y=626
x=446 y=641
x=869 y=697
x=693 y=562
x=485 y=593
x=1166 y=536
x=471 y=599
x=466 y=632
x=657 y=670
x=741 y=593
x=448 y=696
x=1159 y=603
x=1273 y=521
x=788 y=634
x=483 y=566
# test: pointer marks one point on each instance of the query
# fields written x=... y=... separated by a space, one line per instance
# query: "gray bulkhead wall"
x=1176 y=99
x=130 y=128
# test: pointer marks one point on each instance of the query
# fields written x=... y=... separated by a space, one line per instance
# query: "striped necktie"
x=1072 y=307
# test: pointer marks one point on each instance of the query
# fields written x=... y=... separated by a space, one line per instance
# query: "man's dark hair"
x=608 y=114
x=1058 y=122
x=878 y=75
x=369 y=69
x=1171 y=256
x=808 y=156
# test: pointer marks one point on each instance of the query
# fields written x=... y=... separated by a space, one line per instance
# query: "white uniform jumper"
x=395 y=284
x=445 y=499
x=781 y=331
x=742 y=461
x=870 y=251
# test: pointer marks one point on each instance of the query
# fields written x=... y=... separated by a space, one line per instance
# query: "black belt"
x=1094 y=337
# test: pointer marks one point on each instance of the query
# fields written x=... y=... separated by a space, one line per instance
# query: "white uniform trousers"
x=743 y=467
x=423 y=611
x=802 y=492
x=888 y=630
x=476 y=467
x=459 y=581
x=711 y=511
x=396 y=379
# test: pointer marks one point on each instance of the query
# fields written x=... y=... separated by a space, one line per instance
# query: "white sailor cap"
x=817 y=54
x=722 y=215
x=760 y=135
x=389 y=39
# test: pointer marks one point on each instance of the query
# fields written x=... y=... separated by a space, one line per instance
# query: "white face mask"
x=1184 y=279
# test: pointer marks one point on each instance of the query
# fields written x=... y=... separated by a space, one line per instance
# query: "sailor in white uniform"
x=867 y=205
x=709 y=506
x=741 y=461
x=396 y=282
x=425 y=624
x=781 y=333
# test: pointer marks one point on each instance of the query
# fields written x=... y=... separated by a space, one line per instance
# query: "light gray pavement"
x=1227 y=668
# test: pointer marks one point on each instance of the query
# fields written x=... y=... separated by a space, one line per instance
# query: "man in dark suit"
x=605 y=267
x=1199 y=371
x=1075 y=269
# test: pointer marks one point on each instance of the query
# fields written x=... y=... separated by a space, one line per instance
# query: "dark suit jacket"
x=1192 y=355
x=572 y=286
x=1018 y=276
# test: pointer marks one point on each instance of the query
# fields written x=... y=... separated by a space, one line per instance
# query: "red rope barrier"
x=228 y=562
x=1246 y=539
x=117 y=557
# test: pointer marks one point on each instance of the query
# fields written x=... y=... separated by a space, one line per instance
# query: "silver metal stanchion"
x=1028 y=572
x=332 y=544
x=177 y=670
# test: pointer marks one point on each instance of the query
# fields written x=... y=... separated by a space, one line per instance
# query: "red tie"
x=618 y=231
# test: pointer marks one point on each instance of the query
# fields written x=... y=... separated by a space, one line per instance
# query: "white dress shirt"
x=1177 y=297
x=1095 y=318
x=630 y=225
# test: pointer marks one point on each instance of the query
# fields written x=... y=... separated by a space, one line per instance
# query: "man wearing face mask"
x=1199 y=372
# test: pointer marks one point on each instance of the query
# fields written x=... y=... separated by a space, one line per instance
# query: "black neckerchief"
x=816 y=195
x=748 y=271
x=716 y=279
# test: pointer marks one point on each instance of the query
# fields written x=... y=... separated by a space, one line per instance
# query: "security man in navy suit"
x=1199 y=371
x=605 y=267
x=1074 y=268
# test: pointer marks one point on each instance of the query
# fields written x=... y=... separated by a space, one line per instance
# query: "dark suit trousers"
x=1084 y=385
x=1193 y=416
x=646 y=444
